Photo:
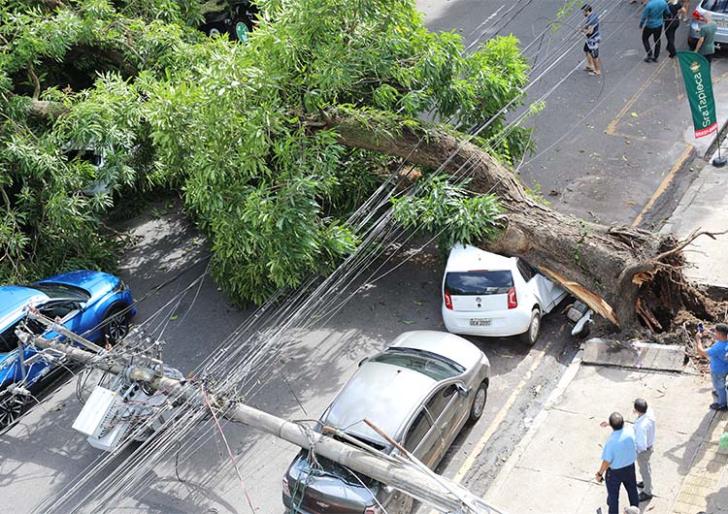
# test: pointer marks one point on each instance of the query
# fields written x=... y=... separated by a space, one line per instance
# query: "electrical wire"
x=267 y=341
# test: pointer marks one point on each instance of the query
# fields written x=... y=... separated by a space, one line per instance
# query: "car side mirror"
x=462 y=390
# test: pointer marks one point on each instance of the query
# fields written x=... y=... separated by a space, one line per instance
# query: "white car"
x=485 y=294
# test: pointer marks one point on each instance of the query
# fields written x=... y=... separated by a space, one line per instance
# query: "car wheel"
x=530 y=336
x=116 y=325
x=478 y=406
x=12 y=406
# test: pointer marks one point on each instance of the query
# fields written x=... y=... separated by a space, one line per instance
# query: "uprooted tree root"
x=667 y=301
x=668 y=305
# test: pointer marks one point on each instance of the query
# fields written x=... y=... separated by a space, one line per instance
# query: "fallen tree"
x=632 y=277
x=272 y=144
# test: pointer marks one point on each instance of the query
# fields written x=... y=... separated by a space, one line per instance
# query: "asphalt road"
x=617 y=149
x=45 y=455
x=599 y=159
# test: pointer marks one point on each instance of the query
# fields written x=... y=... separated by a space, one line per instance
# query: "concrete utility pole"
x=436 y=491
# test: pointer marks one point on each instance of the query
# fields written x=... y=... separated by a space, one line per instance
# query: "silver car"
x=420 y=391
x=719 y=12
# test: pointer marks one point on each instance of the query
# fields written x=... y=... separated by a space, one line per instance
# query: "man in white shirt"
x=644 y=429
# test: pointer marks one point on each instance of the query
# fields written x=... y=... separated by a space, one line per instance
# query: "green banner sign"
x=699 y=88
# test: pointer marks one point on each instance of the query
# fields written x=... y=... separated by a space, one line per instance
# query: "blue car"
x=93 y=304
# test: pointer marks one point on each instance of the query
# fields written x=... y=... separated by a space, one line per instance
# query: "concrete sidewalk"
x=703 y=208
x=552 y=470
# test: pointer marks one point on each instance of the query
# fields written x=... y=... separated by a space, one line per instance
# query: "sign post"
x=699 y=89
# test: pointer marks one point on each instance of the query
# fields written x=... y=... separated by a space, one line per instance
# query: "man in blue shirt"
x=718 y=363
x=651 y=25
x=618 y=458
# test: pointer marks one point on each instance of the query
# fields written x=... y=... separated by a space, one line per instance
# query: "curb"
x=717 y=140
x=520 y=448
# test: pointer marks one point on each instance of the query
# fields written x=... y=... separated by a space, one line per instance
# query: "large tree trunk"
x=637 y=273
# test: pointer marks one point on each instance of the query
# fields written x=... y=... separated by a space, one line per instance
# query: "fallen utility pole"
x=436 y=491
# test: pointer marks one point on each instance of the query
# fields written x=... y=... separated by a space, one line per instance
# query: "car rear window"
x=465 y=283
x=719 y=6
x=425 y=363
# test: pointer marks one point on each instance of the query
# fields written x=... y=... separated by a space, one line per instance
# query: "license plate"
x=479 y=322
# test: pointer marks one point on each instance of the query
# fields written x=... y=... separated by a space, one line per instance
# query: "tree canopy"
x=241 y=131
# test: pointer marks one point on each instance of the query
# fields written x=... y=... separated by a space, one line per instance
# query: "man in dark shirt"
x=590 y=29
x=672 y=22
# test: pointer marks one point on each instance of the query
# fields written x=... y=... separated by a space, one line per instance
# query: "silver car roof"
x=383 y=393
x=388 y=395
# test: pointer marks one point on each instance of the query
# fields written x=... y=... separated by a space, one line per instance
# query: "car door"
x=447 y=407
x=421 y=437
x=546 y=293
x=65 y=312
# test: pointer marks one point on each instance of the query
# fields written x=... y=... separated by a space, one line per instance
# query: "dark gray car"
x=421 y=391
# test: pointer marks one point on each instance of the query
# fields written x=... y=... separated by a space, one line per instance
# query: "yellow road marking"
x=502 y=412
x=678 y=80
x=684 y=156
x=641 y=138
x=612 y=127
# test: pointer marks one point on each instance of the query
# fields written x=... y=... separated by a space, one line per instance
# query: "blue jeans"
x=719 y=386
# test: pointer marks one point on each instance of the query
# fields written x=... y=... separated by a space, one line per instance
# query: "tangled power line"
x=243 y=363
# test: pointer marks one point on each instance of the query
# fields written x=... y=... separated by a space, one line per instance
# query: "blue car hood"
x=96 y=283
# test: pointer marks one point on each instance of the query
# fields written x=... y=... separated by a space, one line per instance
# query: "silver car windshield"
x=434 y=366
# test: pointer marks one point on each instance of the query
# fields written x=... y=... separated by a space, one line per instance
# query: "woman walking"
x=672 y=22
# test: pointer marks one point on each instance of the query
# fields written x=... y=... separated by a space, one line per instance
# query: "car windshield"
x=8 y=339
x=719 y=6
x=471 y=283
x=434 y=366
x=62 y=291
x=331 y=468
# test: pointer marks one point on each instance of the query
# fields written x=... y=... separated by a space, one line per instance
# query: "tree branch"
x=47 y=109
x=687 y=241
x=36 y=82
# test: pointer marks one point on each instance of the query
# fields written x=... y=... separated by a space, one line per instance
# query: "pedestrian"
x=590 y=29
x=644 y=434
x=651 y=25
x=706 y=42
x=672 y=22
x=618 y=458
x=716 y=354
